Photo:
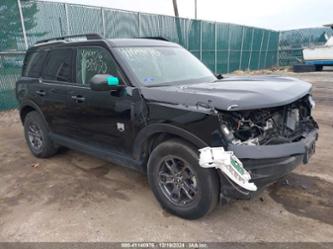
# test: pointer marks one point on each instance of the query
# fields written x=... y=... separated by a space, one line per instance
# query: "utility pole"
x=22 y=25
x=195 y=9
x=179 y=30
x=175 y=8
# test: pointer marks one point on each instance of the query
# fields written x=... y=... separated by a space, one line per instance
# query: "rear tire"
x=319 y=68
x=178 y=182
x=37 y=136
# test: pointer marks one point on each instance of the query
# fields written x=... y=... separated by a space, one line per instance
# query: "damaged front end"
x=268 y=142
x=280 y=125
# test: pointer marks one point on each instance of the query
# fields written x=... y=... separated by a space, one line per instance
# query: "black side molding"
x=100 y=152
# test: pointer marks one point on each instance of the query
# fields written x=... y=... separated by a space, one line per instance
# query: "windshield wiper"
x=219 y=77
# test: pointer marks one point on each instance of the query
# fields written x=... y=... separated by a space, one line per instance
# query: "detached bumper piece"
x=229 y=165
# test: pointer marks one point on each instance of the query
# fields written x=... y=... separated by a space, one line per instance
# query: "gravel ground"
x=75 y=197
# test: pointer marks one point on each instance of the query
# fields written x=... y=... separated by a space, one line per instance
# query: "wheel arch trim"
x=29 y=104
x=146 y=133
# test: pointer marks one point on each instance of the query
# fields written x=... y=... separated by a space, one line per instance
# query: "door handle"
x=78 y=99
x=41 y=93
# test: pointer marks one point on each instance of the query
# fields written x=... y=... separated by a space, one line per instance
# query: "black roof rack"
x=90 y=36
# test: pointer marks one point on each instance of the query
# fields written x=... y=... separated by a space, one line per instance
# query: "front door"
x=100 y=118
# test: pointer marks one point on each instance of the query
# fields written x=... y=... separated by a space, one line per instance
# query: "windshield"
x=161 y=65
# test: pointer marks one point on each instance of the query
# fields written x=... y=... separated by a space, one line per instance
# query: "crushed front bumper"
x=268 y=163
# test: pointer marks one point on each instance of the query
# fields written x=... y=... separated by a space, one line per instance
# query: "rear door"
x=29 y=87
x=55 y=82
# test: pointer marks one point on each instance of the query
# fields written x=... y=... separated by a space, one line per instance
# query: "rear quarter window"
x=33 y=64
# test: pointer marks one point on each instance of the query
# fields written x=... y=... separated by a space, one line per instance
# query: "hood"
x=233 y=93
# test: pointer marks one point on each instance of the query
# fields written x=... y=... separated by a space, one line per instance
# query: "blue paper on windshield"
x=148 y=80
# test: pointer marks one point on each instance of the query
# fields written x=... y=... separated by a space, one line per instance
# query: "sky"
x=270 y=14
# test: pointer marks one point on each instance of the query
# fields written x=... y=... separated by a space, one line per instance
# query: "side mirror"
x=104 y=82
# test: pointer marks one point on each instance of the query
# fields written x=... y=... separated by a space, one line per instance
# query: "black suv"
x=151 y=105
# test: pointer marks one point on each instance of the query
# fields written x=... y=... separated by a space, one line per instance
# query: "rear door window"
x=33 y=64
x=91 y=61
x=58 y=65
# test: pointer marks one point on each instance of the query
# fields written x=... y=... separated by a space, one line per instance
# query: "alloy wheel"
x=35 y=136
x=177 y=181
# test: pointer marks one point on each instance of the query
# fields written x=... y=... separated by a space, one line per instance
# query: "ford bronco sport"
x=151 y=105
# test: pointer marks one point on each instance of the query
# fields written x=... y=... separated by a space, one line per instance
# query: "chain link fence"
x=292 y=43
x=10 y=70
x=223 y=47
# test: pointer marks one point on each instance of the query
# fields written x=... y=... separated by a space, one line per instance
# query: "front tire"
x=178 y=182
x=37 y=136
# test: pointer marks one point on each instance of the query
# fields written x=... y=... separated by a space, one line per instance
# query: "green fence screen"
x=222 y=47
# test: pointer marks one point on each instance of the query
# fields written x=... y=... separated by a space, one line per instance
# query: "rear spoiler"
x=329 y=25
x=154 y=38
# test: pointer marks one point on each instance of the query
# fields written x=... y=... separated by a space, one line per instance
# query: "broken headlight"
x=228 y=135
x=312 y=102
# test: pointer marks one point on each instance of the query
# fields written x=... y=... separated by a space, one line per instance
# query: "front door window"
x=92 y=61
